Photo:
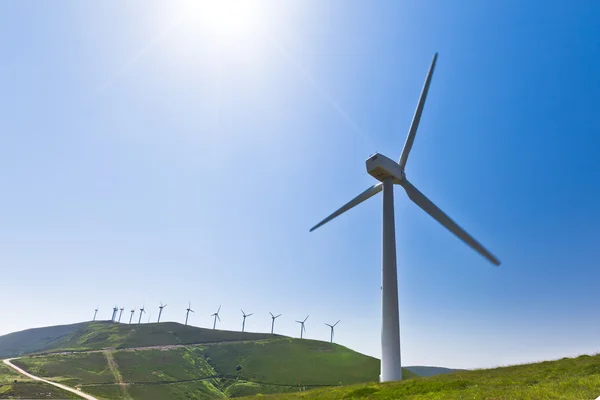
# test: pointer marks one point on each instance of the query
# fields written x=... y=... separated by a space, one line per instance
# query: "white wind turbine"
x=188 y=311
x=388 y=173
x=302 y=327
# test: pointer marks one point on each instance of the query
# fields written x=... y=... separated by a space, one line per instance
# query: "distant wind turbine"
x=131 y=316
x=189 y=309
x=142 y=312
x=120 y=313
x=244 y=321
x=95 y=312
x=273 y=317
x=332 y=326
x=389 y=173
x=302 y=327
x=114 y=314
x=161 y=309
x=216 y=315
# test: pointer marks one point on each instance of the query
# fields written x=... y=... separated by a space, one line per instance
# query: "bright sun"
x=226 y=20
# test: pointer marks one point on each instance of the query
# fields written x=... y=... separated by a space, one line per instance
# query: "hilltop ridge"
x=106 y=334
x=170 y=360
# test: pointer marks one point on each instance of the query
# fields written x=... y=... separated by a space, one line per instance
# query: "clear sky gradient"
x=175 y=152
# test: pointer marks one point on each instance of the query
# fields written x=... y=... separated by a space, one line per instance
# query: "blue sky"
x=154 y=151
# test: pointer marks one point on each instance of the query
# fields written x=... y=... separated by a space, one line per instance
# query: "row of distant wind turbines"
x=116 y=310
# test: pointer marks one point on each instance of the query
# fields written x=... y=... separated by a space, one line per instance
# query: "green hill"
x=100 y=335
x=568 y=379
x=170 y=360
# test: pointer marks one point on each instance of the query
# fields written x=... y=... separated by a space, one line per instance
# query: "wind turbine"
x=160 y=312
x=188 y=311
x=131 y=316
x=244 y=321
x=388 y=173
x=302 y=327
x=216 y=315
x=114 y=314
x=120 y=313
x=95 y=312
x=332 y=326
x=142 y=312
x=273 y=317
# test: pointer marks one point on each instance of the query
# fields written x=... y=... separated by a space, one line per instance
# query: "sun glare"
x=227 y=21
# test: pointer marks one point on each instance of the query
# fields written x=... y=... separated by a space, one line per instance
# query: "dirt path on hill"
x=58 y=385
x=114 y=368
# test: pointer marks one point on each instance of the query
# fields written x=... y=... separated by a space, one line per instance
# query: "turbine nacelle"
x=381 y=168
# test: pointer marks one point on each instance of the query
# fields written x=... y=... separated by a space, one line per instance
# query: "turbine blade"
x=279 y=316
x=192 y=310
x=219 y=318
x=219 y=309
x=417 y=116
x=306 y=318
x=336 y=322
x=370 y=192
x=427 y=205
x=271 y=314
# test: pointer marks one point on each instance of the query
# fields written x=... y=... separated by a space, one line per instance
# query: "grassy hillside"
x=224 y=369
x=15 y=386
x=568 y=378
x=33 y=340
x=99 y=335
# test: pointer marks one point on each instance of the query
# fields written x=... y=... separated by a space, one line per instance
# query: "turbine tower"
x=142 y=312
x=188 y=311
x=244 y=321
x=95 y=312
x=161 y=308
x=388 y=173
x=216 y=315
x=273 y=317
x=131 y=316
x=120 y=313
x=302 y=327
x=332 y=326
x=114 y=314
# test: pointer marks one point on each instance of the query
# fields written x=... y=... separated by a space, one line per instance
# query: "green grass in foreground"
x=568 y=378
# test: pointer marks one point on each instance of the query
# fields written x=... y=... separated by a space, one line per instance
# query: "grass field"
x=15 y=386
x=232 y=364
x=225 y=369
x=568 y=379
